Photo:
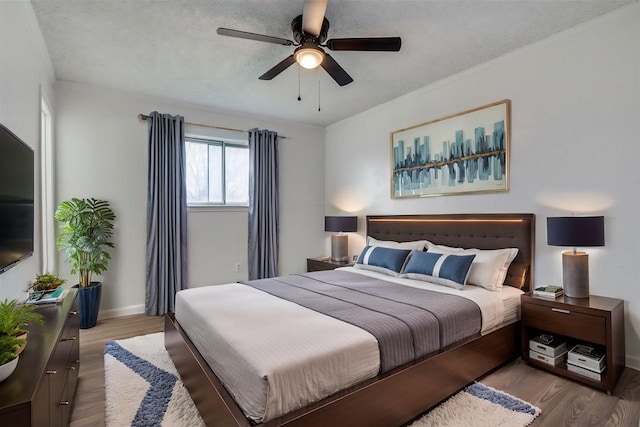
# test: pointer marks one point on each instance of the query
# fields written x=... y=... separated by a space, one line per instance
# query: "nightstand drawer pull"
x=559 y=310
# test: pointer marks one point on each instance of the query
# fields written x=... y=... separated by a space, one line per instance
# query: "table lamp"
x=576 y=231
x=340 y=242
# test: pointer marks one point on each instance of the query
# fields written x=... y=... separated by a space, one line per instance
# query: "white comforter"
x=275 y=356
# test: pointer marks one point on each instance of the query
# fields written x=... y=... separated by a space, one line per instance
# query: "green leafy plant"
x=13 y=317
x=8 y=348
x=87 y=228
x=45 y=282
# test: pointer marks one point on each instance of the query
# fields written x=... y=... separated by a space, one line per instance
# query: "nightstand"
x=594 y=320
x=325 y=263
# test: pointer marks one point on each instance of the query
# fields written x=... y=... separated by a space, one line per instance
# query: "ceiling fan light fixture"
x=309 y=56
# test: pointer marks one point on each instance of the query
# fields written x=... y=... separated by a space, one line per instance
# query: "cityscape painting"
x=466 y=152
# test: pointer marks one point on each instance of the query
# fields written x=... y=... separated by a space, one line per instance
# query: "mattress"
x=274 y=356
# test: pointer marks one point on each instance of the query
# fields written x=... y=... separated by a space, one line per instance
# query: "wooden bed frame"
x=399 y=396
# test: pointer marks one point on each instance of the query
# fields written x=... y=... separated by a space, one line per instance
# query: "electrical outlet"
x=237 y=267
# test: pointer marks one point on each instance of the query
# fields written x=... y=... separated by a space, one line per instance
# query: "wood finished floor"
x=563 y=402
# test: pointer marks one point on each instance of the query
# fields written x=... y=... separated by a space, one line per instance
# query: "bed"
x=400 y=394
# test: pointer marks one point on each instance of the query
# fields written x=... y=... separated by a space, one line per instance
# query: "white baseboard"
x=117 y=312
x=632 y=362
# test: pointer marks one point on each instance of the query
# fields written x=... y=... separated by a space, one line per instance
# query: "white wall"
x=102 y=153
x=26 y=74
x=574 y=148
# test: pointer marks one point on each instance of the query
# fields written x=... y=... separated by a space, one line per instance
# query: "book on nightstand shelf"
x=587 y=357
x=549 y=360
x=547 y=344
x=594 y=375
x=548 y=291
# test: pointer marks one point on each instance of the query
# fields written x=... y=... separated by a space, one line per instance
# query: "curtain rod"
x=145 y=117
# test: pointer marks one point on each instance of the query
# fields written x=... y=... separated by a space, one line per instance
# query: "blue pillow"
x=383 y=260
x=443 y=269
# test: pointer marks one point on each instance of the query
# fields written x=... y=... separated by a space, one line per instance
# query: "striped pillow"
x=443 y=269
x=383 y=260
x=489 y=268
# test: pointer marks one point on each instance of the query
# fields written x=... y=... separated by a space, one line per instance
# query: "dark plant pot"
x=89 y=298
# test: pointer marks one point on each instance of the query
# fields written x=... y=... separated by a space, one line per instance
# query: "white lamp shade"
x=309 y=57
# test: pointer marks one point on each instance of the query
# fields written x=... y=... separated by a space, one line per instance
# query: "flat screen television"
x=16 y=199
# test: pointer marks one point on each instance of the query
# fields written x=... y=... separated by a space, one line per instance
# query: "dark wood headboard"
x=481 y=231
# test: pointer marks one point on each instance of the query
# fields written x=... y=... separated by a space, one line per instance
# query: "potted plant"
x=8 y=355
x=13 y=318
x=87 y=228
x=45 y=282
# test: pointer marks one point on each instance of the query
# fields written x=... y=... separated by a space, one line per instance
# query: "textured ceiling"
x=170 y=49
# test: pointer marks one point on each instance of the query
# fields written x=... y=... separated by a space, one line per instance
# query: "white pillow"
x=431 y=246
x=417 y=245
x=489 y=267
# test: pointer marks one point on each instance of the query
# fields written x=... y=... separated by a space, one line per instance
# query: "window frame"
x=223 y=143
x=47 y=207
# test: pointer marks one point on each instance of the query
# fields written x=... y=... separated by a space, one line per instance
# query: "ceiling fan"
x=309 y=35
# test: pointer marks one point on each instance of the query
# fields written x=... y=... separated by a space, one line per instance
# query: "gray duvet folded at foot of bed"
x=407 y=322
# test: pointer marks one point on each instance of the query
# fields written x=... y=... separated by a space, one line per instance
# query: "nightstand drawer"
x=325 y=263
x=314 y=265
x=564 y=321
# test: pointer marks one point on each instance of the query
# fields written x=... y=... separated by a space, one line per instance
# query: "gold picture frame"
x=474 y=154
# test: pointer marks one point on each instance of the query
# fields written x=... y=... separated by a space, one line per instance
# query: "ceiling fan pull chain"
x=318 y=95
x=299 y=98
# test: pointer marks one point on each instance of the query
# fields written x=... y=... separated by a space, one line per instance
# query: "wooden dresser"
x=40 y=391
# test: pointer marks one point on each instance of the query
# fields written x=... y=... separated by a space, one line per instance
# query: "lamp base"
x=575 y=274
x=340 y=247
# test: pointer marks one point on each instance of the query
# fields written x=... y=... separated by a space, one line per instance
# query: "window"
x=217 y=172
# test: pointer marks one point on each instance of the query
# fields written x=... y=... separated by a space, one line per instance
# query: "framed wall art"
x=463 y=153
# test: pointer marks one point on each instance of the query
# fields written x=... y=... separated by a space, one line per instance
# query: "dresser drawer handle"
x=559 y=310
x=71 y=368
x=52 y=372
x=69 y=339
x=73 y=312
x=64 y=403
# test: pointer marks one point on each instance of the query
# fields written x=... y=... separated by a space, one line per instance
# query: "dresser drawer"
x=564 y=321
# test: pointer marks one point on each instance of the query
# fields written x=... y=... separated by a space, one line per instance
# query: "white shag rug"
x=479 y=405
x=143 y=388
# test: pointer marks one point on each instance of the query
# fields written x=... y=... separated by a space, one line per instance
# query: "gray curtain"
x=263 y=204
x=166 y=269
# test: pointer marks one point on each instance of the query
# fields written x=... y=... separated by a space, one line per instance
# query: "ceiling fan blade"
x=382 y=44
x=253 y=36
x=280 y=67
x=336 y=71
x=313 y=16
